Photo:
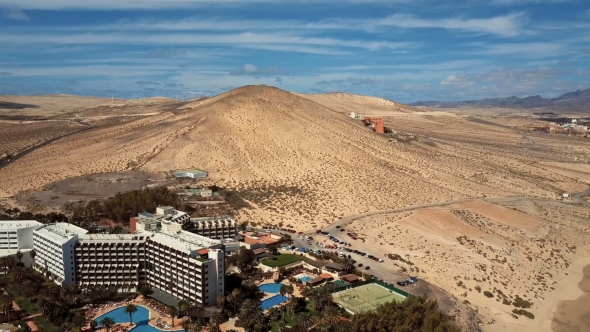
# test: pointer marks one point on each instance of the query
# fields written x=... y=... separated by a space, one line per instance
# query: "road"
x=33 y=148
x=386 y=270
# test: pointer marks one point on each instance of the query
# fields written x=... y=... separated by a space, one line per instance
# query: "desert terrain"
x=301 y=161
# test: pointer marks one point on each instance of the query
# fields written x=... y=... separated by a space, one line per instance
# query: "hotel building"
x=223 y=227
x=184 y=265
x=17 y=235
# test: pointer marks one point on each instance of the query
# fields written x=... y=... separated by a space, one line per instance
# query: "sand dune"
x=303 y=162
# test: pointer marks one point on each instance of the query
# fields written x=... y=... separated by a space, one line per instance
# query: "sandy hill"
x=366 y=105
x=301 y=161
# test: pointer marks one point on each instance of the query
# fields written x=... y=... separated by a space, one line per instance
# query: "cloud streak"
x=16 y=15
x=250 y=69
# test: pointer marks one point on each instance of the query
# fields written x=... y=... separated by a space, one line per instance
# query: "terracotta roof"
x=334 y=266
x=316 y=280
x=203 y=251
x=326 y=276
x=318 y=264
x=350 y=277
x=259 y=251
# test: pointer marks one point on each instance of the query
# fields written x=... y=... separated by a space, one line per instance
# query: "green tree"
x=131 y=309
x=33 y=254
x=19 y=255
x=172 y=311
x=146 y=291
x=221 y=301
x=413 y=314
x=107 y=323
x=305 y=319
x=17 y=276
x=29 y=288
x=93 y=324
x=250 y=314
x=6 y=304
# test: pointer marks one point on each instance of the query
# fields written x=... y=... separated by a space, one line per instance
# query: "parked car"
x=360 y=265
x=381 y=261
x=337 y=226
x=367 y=267
x=342 y=229
x=370 y=256
x=402 y=283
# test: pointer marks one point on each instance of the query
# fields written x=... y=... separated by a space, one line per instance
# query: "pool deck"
x=154 y=316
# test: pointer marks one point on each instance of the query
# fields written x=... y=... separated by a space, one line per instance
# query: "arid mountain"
x=576 y=99
x=300 y=160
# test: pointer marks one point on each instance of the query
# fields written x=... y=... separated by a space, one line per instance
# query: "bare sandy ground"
x=474 y=247
x=577 y=171
x=301 y=161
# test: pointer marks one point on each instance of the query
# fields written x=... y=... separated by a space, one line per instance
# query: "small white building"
x=356 y=116
x=17 y=235
x=566 y=195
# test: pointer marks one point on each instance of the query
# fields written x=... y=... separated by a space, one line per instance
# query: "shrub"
x=488 y=294
x=523 y=313
x=521 y=303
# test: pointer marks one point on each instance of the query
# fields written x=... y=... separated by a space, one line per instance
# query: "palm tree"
x=93 y=324
x=305 y=319
x=33 y=254
x=46 y=306
x=347 y=266
x=131 y=309
x=216 y=318
x=221 y=301
x=183 y=307
x=17 y=276
x=274 y=314
x=29 y=288
x=235 y=293
x=6 y=304
x=196 y=327
x=107 y=323
x=283 y=291
x=250 y=314
x=172 y=311
x=186 y=325
x=281 y=325
x=290 y=290
x=19 y=255
x=65 y=292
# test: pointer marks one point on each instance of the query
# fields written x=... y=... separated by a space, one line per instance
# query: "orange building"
x=377 y=124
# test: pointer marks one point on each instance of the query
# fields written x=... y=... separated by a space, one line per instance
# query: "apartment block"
x=185 y=265
x=152 y=222
x=223 y=227
x=55 y=245
x=17 y=235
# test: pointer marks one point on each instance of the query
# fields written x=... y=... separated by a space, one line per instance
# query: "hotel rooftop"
x=184 y=241
x=114 y=238
x=61 y=232
x=18 y=224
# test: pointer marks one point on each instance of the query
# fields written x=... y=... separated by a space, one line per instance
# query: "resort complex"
x=184 y=265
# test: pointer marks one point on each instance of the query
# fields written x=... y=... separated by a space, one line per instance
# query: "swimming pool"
x=272 y=301
x=140 y=318
x=271 y=288
x=305 y=278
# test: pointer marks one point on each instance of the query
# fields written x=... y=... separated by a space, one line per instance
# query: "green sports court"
x=366 y=297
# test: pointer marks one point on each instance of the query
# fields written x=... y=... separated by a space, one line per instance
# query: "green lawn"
x=30 y=309
x=44 y=325
x=282 y=260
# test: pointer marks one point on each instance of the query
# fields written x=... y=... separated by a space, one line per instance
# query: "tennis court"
x=366 y=298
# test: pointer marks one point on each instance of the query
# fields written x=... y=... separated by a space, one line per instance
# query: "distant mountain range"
x=576 y=99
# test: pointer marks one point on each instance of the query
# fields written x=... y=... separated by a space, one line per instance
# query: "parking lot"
x=342 y=242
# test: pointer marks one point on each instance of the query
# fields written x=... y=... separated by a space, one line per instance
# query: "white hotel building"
x=17 y=235
x=184 y=265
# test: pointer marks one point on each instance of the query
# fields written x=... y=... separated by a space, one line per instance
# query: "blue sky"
x=403 y=50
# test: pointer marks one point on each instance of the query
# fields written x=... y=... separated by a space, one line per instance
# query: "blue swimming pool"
x=272 y=301
x=305 y=278
x=271 y=288
x=140 y=318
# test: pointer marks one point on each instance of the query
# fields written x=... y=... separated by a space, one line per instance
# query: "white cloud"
x=146 y=4
x=16 y=15
x=507 y=25
x=524 y=50
x=240 y=39
x=457 y=80
x=250 y=69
